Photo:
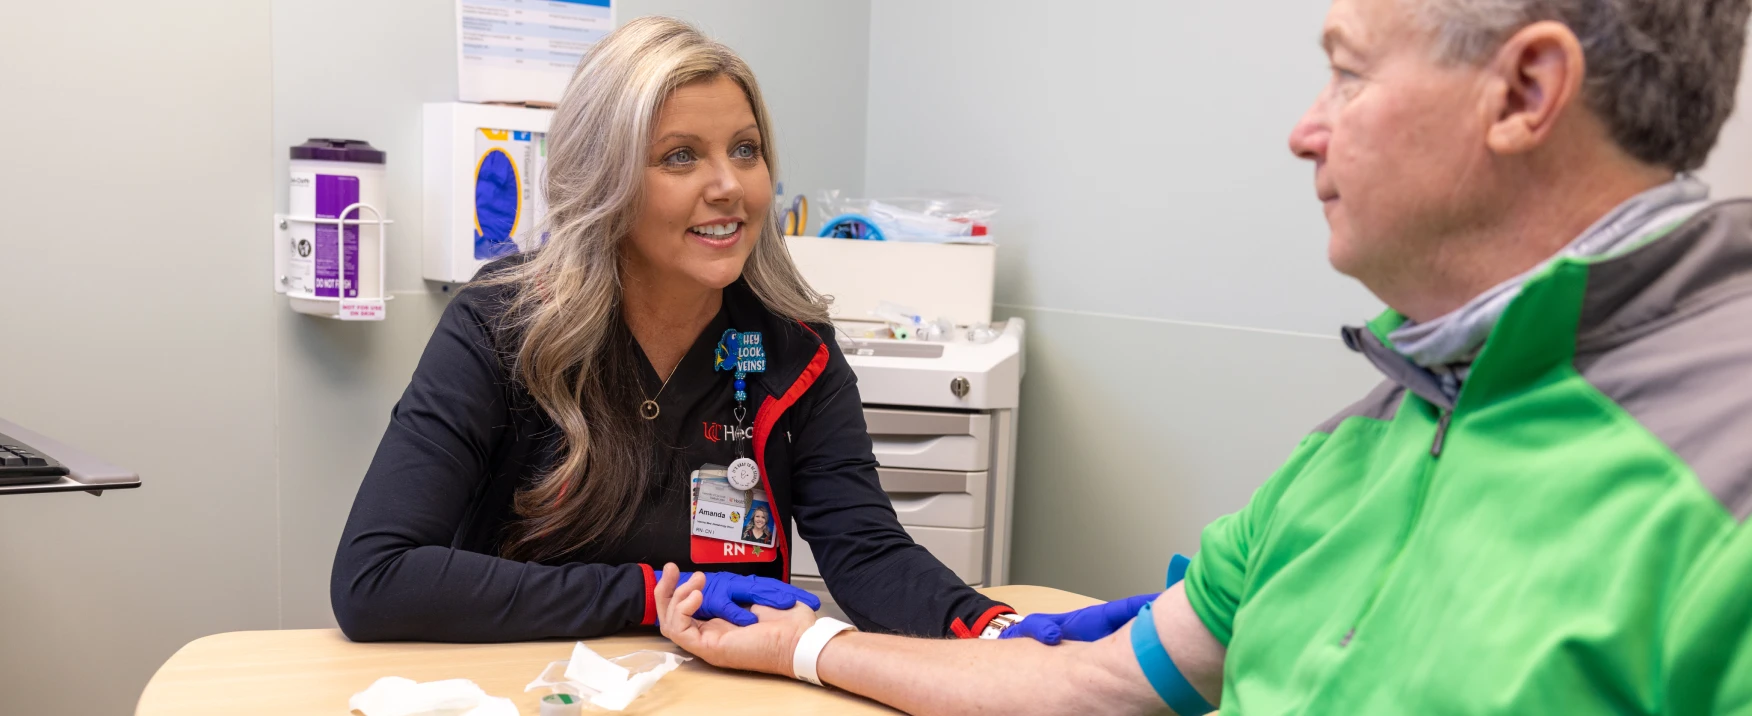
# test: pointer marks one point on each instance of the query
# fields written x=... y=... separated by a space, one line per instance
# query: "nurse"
x=627 y=395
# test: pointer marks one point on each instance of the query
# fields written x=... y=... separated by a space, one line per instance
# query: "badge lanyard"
x=741 y=354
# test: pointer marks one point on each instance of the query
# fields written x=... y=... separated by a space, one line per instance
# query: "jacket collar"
x=1457 y=336
x=1583 y=304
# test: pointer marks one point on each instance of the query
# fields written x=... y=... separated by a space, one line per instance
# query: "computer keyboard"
x=21 y=464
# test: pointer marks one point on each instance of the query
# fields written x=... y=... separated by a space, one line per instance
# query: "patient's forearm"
x=1021 y=676
x=1013 y=676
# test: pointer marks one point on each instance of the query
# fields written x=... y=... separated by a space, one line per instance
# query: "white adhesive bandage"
x=809 y=647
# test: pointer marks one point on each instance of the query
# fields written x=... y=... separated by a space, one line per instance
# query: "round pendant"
x=649 y=410
x=743 y=474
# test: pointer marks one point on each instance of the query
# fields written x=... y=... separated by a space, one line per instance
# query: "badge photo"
x=758 y=525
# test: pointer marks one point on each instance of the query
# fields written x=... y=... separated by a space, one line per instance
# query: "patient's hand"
x=766 y=646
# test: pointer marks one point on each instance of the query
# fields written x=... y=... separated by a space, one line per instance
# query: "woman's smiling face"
x=707 y=189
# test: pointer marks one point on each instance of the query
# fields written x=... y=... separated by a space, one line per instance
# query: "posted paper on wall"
x=524 y=50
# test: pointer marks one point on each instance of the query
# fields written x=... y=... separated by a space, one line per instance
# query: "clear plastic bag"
x=926 y=217
x=644 y=668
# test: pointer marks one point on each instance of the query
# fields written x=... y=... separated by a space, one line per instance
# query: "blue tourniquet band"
x=1177 y=569
x=1164 y=676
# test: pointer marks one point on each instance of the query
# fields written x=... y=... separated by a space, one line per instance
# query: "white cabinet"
x=961 y=550
x=941 y=414
x=948 y=475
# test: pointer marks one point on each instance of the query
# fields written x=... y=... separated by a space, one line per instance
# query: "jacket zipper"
x=1436 y=445
x=1441 y=433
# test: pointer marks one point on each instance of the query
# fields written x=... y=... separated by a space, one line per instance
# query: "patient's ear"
x=1532 y=81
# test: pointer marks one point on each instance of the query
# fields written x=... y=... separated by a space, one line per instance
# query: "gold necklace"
x=649 y=409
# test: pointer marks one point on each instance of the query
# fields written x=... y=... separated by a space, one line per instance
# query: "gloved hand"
x=1087 y=624
x=1092 y=623
x=725 y=593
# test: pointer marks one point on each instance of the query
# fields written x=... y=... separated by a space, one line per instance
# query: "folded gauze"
x=396 y=696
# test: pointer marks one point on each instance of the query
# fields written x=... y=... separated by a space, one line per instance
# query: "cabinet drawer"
x=927 y=440
x=961 y=550
x=929 y=498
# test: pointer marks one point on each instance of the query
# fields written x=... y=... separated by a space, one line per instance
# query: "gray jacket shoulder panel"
x=1382 y=403
x=1674 y=349
x=1708 y=255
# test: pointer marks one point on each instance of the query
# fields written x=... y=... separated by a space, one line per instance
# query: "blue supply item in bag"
x=851 y=226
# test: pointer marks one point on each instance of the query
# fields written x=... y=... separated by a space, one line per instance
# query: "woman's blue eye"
x=680 y=156
x=745 y=151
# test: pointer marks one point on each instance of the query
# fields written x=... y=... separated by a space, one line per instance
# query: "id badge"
x=729 y=525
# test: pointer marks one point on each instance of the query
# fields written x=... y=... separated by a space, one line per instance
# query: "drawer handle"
x=906 y=445
x=916 y=500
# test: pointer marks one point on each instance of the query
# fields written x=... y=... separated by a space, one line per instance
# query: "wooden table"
x=315 y=671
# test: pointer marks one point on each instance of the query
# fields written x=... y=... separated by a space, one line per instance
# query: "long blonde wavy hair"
x=570 y=348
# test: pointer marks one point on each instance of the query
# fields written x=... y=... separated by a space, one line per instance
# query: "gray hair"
x=1660 y=73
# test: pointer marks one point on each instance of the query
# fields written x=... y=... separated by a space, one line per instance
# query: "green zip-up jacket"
x=1566 y=537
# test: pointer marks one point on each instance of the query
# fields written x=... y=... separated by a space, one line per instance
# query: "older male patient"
x=1542 y=510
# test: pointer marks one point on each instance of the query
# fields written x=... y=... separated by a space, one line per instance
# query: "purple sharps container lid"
x=339 y=150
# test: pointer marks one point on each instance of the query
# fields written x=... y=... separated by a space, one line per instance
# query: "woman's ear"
x=1533 y=79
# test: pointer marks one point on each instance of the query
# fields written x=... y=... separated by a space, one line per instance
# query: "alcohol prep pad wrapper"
x=609 y=684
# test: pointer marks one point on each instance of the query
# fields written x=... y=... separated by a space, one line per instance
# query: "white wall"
x=1143 y=144
x=1158 y=236
x=134 y=255
x=1729 y=171
x=812 y=60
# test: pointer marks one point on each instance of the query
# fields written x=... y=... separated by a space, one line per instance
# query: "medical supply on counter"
x=982 y=332
x=938 y=330
x=797 y=217
x=561 y=705
x=904 y=323
x=610 y=684
x=396 y=696
x=929 y=218
x=896 y=314
x=851 y=226
x=329 y=175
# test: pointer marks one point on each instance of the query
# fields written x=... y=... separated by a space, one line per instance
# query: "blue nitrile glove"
x=1086 y=624
x=725 y=593
x=1091 y=623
